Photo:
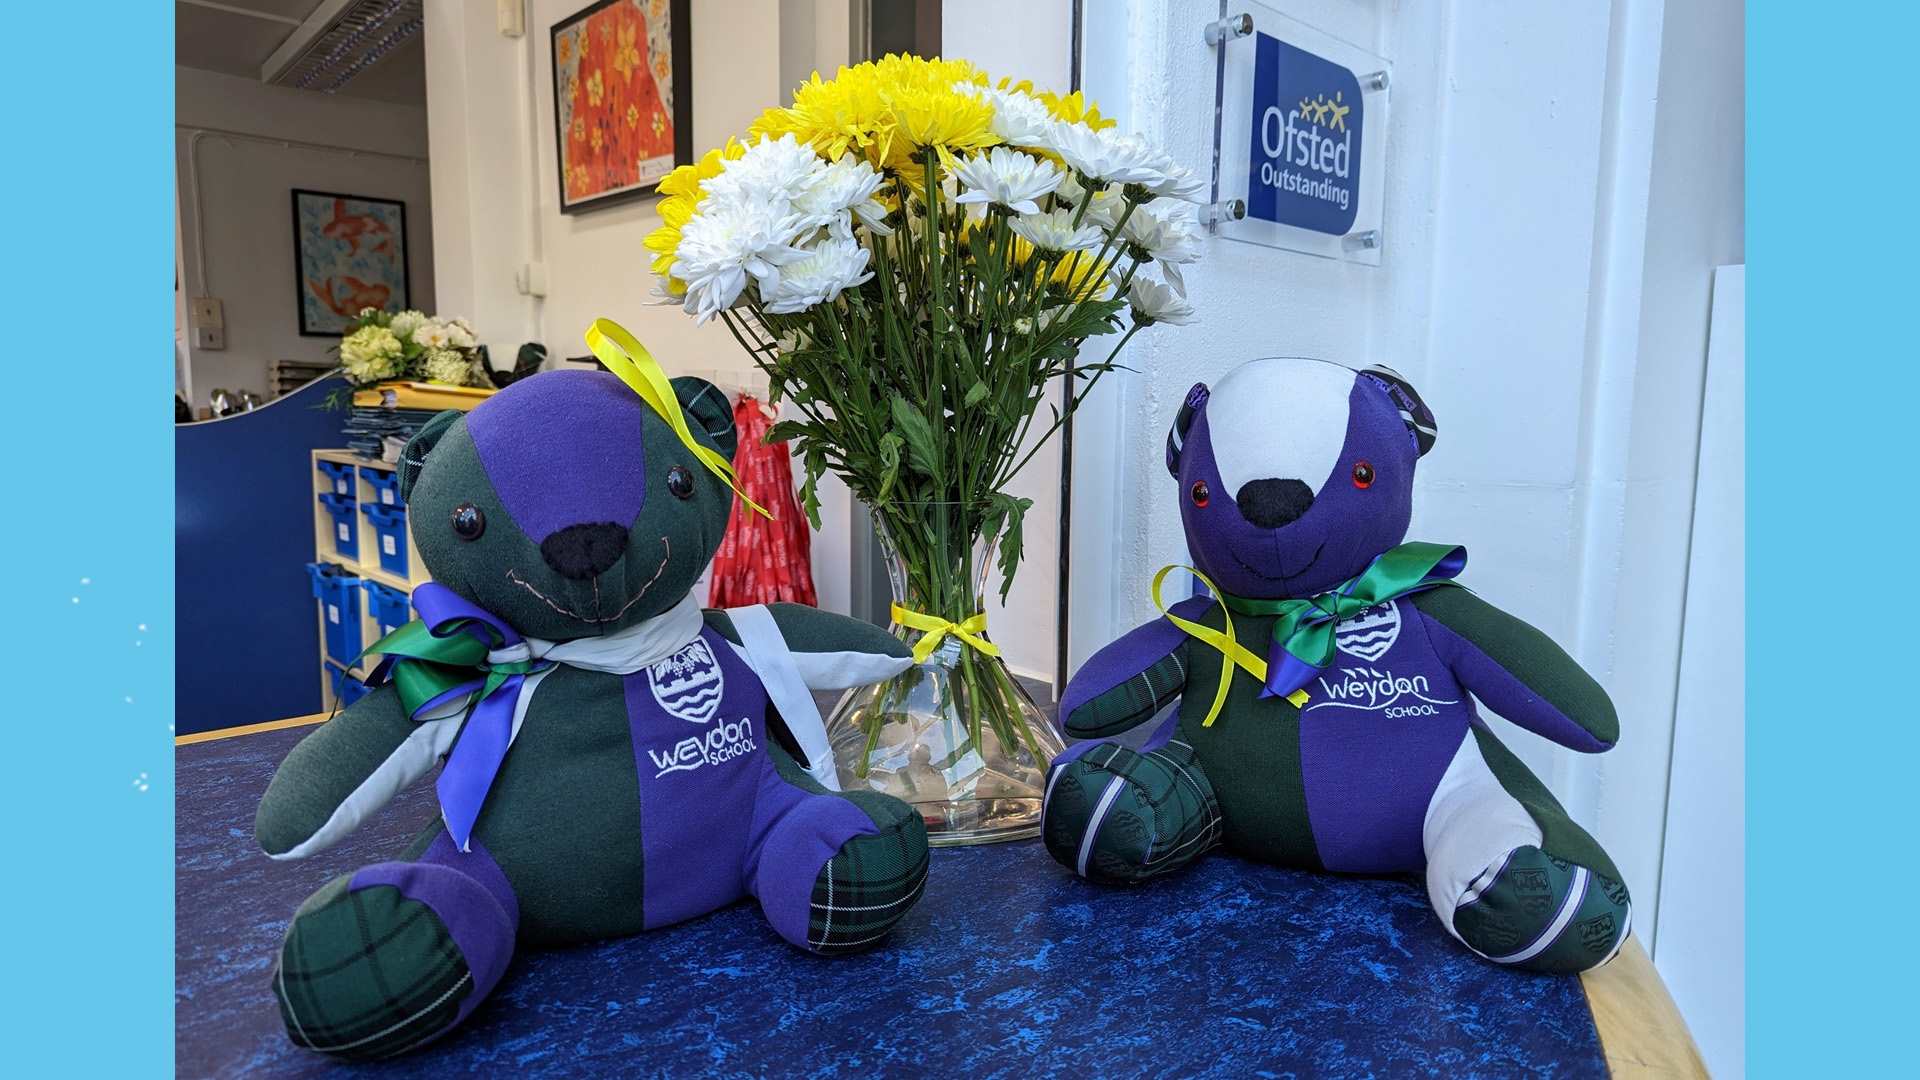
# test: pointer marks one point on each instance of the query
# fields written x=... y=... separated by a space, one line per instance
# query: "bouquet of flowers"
x=914 y=253
x=384 y=346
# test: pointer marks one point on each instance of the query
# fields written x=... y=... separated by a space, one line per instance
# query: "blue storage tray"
x=346 y=538
x=339 y=477
x=346 y=688
x=387 y=606
x=390 y=536
x=339 y=595
x=386 y=485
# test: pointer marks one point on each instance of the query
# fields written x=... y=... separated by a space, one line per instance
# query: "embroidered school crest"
x=689 y=683
x=1371 y=633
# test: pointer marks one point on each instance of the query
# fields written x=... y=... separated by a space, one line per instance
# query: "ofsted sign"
x=1304 y=164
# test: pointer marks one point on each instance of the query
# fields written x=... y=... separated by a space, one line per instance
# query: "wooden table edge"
x=1641 y=1031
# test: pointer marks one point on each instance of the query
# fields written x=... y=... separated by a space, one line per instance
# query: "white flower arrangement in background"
x=384 y=346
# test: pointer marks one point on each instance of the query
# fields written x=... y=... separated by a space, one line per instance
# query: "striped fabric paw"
x=1118 y=815
x=1541 y=913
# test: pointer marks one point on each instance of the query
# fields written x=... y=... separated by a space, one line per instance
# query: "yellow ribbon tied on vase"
x=634 y=365
x=937 y=630
x=1236 y=654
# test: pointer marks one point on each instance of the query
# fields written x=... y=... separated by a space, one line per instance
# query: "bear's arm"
x=831 y=652
x=1124 y=684
x=1517 y=671
x=345 y=771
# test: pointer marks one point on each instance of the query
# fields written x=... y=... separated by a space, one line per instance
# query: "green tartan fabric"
x=871 y=882
x=1520 y=917
x=1132 y=702
x=367 y=974
x=1119 y=815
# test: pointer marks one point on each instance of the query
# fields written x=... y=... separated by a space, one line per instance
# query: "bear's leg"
x=1113 y=814
x=396 y=954
x=1510 y=874
x=834 y=871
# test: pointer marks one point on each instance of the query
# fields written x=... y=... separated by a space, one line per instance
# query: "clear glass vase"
x=955 y=735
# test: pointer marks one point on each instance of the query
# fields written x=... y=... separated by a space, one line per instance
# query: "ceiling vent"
x=339 y=40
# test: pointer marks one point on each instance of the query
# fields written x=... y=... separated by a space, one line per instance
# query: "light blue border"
x=88 y=530
x=1833 y=414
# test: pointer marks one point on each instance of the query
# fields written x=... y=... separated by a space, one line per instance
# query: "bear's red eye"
x=1199 y=492
x=1362 y=475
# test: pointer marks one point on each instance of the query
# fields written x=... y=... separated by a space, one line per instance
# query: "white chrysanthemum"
x=832 y=266
x=1170 y=239
x=1018 y=119
x=369 y=353
x=1179 y=182
x=404 y=324
x=1109 y=156
x=432 y=335
x=1154 y=302
x=448 y=366
x=726 y=243
x=772 y=170
x=1105 y=209
x=1055 y=231
x=1008 y=178
x=843 y=186
x=459 y=334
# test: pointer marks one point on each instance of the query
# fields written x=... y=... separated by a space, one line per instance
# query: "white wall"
x=1561 y=180
x=242 y=147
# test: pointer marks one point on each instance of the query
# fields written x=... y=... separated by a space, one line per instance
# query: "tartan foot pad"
x=867 y=887
x=1118 y=815
x=1541 y=913
x=368 y=973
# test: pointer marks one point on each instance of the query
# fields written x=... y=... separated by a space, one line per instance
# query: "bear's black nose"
x=582 y=551
x=1273 y=503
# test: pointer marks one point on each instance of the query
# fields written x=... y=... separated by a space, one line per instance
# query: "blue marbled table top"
x=1010 y=967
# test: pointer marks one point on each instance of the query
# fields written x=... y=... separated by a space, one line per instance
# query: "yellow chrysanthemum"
x=1074 y=108
x=886 y=110
x=1081 y=278
x=683 y=192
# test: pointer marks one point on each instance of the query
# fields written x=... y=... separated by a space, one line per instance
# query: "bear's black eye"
x=680 y=482
x=1199 y=492
x=1362 y=475
x=468 y=521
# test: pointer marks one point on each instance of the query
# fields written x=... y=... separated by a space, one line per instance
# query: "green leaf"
x=1013 y=511
x=976 y=394
x=889 y=464
x=918 y=434
x=816 y=463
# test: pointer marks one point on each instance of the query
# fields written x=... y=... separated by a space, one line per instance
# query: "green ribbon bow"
x=1303 y=636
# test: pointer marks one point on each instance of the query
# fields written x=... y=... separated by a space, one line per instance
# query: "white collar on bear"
x=620 y=653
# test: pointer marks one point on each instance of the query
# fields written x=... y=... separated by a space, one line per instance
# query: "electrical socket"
x=209 y=337
x=206 y=311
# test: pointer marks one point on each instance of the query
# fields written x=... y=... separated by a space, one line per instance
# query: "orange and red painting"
x=620 y=98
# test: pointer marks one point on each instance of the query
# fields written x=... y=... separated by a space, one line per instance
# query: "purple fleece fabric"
x=471 y=896
x=1505 y=694
x=564 y=448
x=1379 y=728
x=717 y=822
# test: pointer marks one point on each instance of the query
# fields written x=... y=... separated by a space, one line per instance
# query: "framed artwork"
x=622 y=99
x=349 y=252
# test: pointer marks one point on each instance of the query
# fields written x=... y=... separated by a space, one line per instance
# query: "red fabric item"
x=761 y=561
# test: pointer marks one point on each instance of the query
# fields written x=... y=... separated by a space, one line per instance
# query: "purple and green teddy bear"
x=1346 y=737
x=616 y=758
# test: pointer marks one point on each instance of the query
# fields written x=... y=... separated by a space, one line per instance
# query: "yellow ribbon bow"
x=627 y=358
x=937 y=629
x=1235 y=653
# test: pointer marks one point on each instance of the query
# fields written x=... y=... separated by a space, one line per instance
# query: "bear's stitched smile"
x=1283 y=578
x=624 y=608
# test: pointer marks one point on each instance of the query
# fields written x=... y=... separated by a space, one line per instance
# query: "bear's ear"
x=414 y=455
x=1413 y=411
x=707 y=412
x=1182 y=423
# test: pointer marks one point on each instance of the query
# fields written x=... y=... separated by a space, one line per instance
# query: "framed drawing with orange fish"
x=349 y=253
x=622 y=99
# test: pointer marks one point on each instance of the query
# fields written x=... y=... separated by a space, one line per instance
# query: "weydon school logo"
x=1371 y=633
x=1308 y=117
x=688 y=684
